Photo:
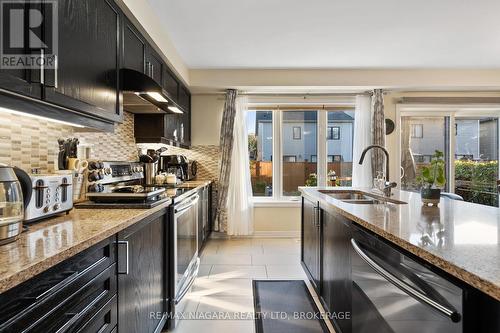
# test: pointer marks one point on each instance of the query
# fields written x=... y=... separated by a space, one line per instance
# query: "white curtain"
x=362 y=174
x=239 y=203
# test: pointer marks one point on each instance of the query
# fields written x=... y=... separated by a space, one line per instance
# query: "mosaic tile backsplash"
x=28 y=143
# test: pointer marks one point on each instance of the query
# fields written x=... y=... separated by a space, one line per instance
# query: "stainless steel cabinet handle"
x=126 y=256
x=42 y=67
x=72 y=277
x=422 y=298
x=56 y=70
x=152 y=70
x=77 y=316
x=188 y=285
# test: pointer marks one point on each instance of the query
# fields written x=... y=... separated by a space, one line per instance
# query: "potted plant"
x=432 y=179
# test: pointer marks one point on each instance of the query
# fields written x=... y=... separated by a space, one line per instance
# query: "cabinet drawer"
x=28 y=302
x=104 y=321
x=78 y=310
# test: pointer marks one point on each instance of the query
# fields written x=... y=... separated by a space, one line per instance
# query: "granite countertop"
x=51 y=241
x=460 y=238
x=192 y=185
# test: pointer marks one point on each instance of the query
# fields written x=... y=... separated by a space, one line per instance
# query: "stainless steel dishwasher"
x=391 y=292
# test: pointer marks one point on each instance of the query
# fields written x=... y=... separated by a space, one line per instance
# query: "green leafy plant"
x=433 y=176
x=312 y=180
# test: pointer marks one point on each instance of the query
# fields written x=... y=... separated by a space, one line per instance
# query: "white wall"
x=206 y=117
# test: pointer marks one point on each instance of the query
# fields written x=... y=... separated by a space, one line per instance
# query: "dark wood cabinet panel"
x=134 y=47
x=311 y=241
x=142 y=279
x=87 y=77
x=154 y=65
x=336 y=279
x=170 y=84
x=203 y=217
x=23 y=81
x=81 y=284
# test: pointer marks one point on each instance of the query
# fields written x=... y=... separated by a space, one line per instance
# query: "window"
x=296 y=147
x=333 y=133
x=416 y=154
x=302 y=169
x=260 y=151
x=339 y=148
x=471 y=152
x=417 y=131
x=297 y=133
x=476 y=159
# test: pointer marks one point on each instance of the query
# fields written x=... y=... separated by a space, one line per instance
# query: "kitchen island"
x=458 y=241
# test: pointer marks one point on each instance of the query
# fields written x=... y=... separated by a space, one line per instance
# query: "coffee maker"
x=176 y=164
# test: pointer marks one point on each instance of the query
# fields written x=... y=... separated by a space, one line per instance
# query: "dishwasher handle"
x=185 y=206
x=419 y=296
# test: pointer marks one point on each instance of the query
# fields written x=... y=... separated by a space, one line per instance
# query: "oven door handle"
x=188 y=205
x=188 y=285
x=422 y=298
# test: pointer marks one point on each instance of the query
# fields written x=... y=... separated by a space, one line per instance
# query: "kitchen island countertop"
x=461 y=238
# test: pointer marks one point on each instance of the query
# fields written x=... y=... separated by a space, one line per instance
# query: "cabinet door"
x=23 y=81
x=311 y=228
x=142 y=279
x=134 y=47
x=87 y=77
x=170 y=84
x=336 y=267
x=154 y=65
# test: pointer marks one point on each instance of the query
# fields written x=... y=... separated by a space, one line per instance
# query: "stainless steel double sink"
x=359 y=197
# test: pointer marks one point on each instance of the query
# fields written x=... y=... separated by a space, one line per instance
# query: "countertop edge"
x=458 y=272
x=23 y=275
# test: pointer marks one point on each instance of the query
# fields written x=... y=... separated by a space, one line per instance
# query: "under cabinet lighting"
x=29 y=115
x=175 y=109
x=157 y=97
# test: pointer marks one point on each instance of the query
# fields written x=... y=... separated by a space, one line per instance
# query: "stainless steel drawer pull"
x=422 y=298
x=72 y=277
x=126 y=256
x=76 y=316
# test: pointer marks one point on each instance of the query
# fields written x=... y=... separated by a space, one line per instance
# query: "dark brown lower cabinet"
x=336 y=280
x=142 y=275
x=311 y=241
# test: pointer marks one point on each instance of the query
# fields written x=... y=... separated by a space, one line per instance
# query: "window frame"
x=277 y=197
x=330 y=135
x=452 y=112
x=413 y=131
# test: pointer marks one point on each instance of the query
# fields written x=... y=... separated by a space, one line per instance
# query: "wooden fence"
x=294 y=173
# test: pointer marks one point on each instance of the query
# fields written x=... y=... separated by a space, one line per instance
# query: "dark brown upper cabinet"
x=134 y=47
x=170 y=84
x=87 y=75
x=154 y=65
x=22 y=81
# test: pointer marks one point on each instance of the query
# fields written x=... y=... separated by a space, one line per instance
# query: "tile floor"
x=224 y=283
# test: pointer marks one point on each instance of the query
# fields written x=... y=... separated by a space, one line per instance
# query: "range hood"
x=142 y=94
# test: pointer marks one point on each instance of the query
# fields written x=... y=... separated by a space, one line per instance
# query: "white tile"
x=237 y=272
x=235 y=308
x=204 y=271
x=215 y=326
x=276 y=259
x=285 y=272
x=239 y=249
x=223 y=288
x=226 y=259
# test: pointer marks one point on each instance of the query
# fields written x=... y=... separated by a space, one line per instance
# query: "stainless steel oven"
x=186 y=261
x=393 y=293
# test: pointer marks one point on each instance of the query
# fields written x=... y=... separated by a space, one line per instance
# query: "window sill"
x=258 y=203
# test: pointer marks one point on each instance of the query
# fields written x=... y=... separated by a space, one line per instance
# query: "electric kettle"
x=11 y=205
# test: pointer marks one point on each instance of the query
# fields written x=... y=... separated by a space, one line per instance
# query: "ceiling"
x=333 y=34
